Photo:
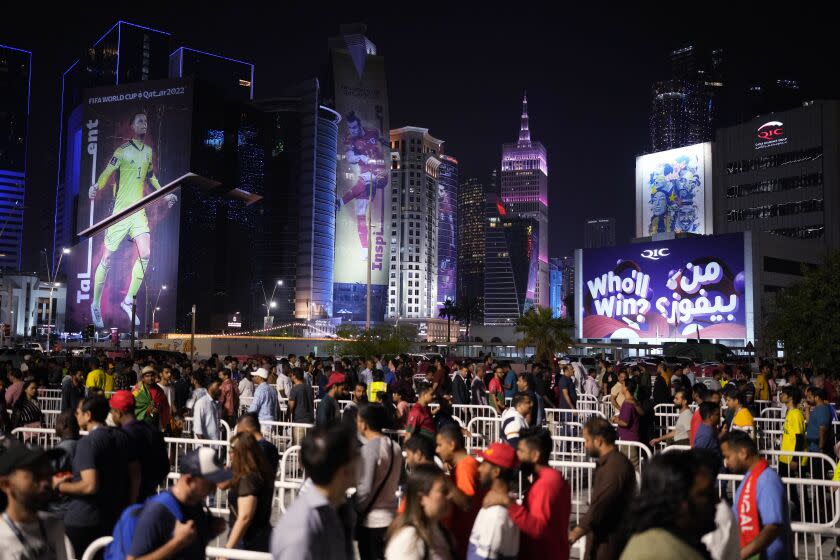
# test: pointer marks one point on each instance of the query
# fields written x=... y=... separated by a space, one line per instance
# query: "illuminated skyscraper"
x=15 y=67
x=447 y=201
x=471 y=220
x=233 y=78
x=525 y=194
x=123 y=54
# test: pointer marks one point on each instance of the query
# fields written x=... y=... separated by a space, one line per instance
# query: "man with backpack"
x=174 y=523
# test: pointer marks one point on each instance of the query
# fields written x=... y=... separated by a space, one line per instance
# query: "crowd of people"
x=387 y=470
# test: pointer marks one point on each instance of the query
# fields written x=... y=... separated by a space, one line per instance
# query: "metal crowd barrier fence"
x=52 y=404
x=483 y=431
x=49 y=393
x=291 y=479
x=178 y=447
x=225 y=430
x=587 y=402
x=568 y=422
x=571 y=449
x=42 y=437
x=284 y=434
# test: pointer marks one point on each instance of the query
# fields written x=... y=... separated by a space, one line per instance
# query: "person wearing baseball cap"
x=150 y=404
x=26 y=532
x=146 y=444
x=159 y=531
x=494 y=535
x=265 y=403
x=327 y=411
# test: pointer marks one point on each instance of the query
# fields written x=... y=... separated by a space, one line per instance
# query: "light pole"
x=269 y=304
x=156 y=308
x=51 y=277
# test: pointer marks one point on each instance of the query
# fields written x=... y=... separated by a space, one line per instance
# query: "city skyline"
x=592 y=133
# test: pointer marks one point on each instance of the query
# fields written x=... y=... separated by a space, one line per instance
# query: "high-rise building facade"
x=125 y=53
x=599 y=232
x=413 y=268
x=524 y=192
x=511 y=250
x=233 y=78
x=471 y=219
x=15 y=71
x=555 y=272
x=447 y=194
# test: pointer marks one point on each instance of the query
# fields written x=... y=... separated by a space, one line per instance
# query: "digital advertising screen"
x=136 y=139
x=447 y=205
x=674 y=191
x=363 y=175
x=696 y=287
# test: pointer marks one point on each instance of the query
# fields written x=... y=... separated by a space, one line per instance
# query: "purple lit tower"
x=525 y=194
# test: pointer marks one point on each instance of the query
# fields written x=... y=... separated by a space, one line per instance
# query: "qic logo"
x=771 y=130
x=655 y=254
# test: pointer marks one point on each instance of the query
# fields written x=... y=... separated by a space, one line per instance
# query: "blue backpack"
x=127 y=523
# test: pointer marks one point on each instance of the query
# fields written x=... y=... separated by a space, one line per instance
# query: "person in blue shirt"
x=265 y=402
x=707 y=433
x=819 y=432
x=509 y=382
x=773 y=541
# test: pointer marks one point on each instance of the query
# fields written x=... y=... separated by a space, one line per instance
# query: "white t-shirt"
x=725 y=541
x=246 y=388
x=683 y=427
x=56 y=547
x=512 y=424
x=494 y=536
x=284 y=384
x=406 y=544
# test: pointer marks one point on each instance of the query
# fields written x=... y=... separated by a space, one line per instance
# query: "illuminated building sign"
x=680 y=288
x=770 y=134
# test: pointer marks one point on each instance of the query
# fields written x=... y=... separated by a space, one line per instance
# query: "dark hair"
x=98 y=407
x=591 y=370
x=739 y=439
x=667 y=480
x=453 y=433
x=599 y=427
x=297 y=373
x=134 y=116
x=351 y=117
x=794 y=393
x=424 y=445
x=424 y=387
x=374 y=415
x=529 y=380
x=732 y=392
x=251 y=420
x=420 y=482
x=325 y=450
x=682 y=391
x=66 y=425
x=819 y=392
x=538 y=439
x=520 y=397
x=378 y=375
x=631 y=384
x=707 y=409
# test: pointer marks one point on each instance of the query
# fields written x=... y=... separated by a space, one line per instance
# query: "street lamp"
x=269 y=304
x=156 y=308
x=51 y=277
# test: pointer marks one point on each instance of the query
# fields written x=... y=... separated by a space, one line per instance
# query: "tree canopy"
x=547 y=334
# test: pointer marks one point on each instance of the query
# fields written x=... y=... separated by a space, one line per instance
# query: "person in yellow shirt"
x=793 y=435
x=109 y=378
x=95 y=378
x=742 y=418
x=762 y=388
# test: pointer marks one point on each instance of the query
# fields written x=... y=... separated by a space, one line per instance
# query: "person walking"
x=228 y=397
x=614 y=486
x=250 y=495
x=206 y=423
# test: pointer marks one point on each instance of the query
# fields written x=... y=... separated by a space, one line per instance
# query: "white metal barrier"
x=572 y=449
x=291 y=480
x=211 y=551
x=52 y=404
x=466 y=412
x=42 y=437
x=225 y=431
x=567 y=422
x=284 y=434
x=178 y=447
x=483 y=431
x=586 y=401
x=49 y=393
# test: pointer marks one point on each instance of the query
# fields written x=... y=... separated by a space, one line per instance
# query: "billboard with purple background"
x=676 y=289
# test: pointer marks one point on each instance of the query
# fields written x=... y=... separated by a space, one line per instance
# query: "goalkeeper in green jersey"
x=133 y=162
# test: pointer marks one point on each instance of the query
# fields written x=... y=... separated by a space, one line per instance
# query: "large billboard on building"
x=136 y=138
x=678 y=289
x=447 y=222
x=362 y=185
x=674 y=191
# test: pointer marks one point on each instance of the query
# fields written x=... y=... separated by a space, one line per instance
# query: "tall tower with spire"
x=525 y=195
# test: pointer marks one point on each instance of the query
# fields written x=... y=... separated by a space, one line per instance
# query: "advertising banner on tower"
x=674 y=191
x=362 y=184
x=683 y=288
x=136 y=138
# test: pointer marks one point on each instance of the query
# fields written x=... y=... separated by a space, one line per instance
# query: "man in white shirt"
x=591 y=385
x=206 y=414
x=284 y=382
x=494 y=536
x=617 y=392
x=513 y=419
x=246 y=386
x=681 y=433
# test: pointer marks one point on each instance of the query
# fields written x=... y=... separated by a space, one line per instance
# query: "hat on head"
x=261 y=372
x=499 y=454
x=336 y=379
x=19 y=456
x=203 y=462
x=122 y=401
x=148 y=369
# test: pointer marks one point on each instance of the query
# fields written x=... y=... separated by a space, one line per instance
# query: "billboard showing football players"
x=136 y=139
x=362 y=184
x=674 y=191
x=696 y=287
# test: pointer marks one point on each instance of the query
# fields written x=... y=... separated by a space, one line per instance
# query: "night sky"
x=460 y=72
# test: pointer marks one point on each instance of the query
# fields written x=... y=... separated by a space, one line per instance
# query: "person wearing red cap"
x=543 y=516
x=327 y=411
x=147 y=445
x=494 y=535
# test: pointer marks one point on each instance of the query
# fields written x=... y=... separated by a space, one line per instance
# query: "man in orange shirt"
x=464 y=472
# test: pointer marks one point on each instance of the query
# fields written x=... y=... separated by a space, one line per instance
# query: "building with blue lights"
x=233 y=78
x=15 y=73
x=125 y=53
x=447 y=195
x=555 y=272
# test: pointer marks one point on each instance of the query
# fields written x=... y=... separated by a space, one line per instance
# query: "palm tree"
x=468 y=311
x=544 y=332
x=449 y=310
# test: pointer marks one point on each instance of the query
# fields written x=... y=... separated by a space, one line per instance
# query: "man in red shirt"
x=228 y=398
x=543 y=517
x=420 y=421
x=496 y=390
x=466 y=493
